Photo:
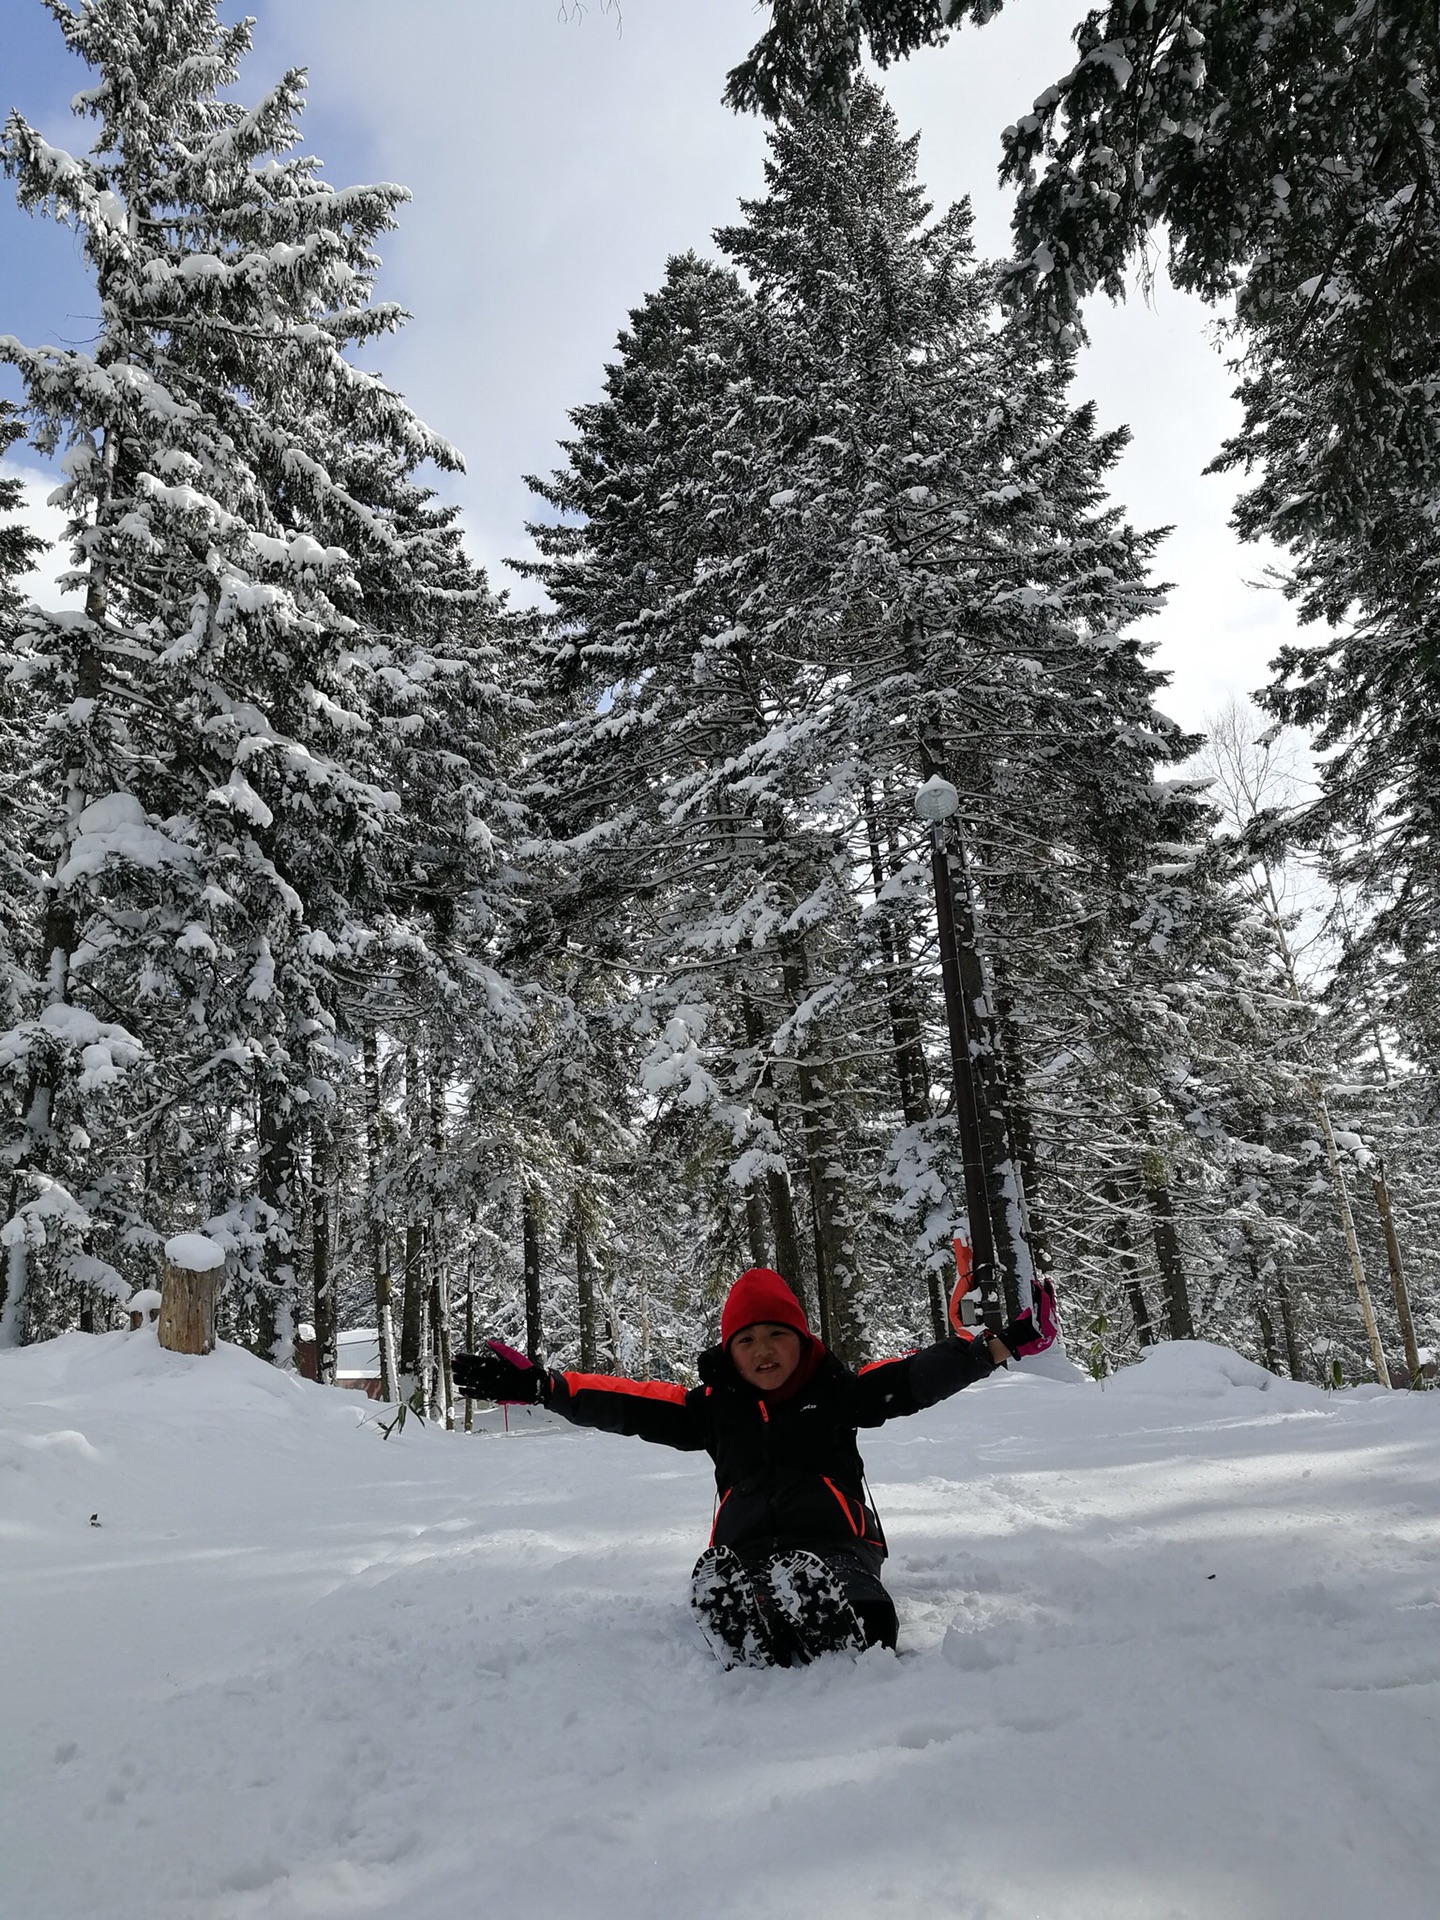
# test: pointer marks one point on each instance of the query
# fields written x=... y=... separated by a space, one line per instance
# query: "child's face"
x=765 y=1355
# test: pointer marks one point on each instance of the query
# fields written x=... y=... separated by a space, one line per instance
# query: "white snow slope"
x=1170 y=1650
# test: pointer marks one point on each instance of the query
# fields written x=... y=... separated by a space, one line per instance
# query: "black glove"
x=1015 y=1334
x=498 y=1372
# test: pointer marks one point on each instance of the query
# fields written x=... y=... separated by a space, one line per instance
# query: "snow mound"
x=1198 y=1369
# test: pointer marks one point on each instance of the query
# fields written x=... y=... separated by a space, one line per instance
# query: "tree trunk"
x=755 y=1228
x=1003 y=1175
x=440 y=1327
x=412 y=1310
x=1397 y=1276
x=277 y=1194
x=438 y=1239
x=1294 y=1359
x=822 y=1283
x=584 y=1282
x=935 y=1293
x=14 y=1276
x=790 y=1260
x=187 y=1306
x=327 y=1325
x=836 y=1276
x=1352 y=1239
x=379 y=1239
x=1267 y=1337
x=1167 y=1250
x=469 y=1344
x=1129 y=1265
x=530 y=1233
x=1018 y=1116
x=912 y=1073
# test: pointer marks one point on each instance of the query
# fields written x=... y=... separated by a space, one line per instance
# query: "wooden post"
x=191 y=1273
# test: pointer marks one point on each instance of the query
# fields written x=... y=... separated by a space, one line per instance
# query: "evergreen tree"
x=1289 y=157
x=223 y=813
x=838 y=533
x=20 y=548
x=19 y=873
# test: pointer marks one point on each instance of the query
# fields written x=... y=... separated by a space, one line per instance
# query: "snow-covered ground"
x=1168 y=1649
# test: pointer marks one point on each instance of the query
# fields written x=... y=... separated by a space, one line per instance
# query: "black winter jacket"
x=787 y=1473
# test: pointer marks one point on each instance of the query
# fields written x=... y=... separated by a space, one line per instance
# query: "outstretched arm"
x=889 y=1388
x=892 y=1387
x=648 y=1409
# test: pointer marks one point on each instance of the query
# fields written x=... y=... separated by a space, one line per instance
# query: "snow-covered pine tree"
x=20 y=548
x=644 y=463
x=214 y=814
x=838 y=532
x=812 y=49
x=984 y=589
x=1364 y=1114
x=1289 y=157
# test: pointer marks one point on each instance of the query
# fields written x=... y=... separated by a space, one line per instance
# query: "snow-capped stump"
x=190 y=1279
x=144 y=1307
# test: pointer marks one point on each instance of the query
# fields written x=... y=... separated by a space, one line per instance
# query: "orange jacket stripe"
x=844 y=1506
x=716 y=1521
x=612 y=1383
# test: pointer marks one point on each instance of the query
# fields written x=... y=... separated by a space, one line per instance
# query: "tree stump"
x=191 y=1274
x=144 y=1308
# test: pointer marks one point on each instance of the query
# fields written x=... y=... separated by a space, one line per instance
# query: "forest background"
x=533 y=964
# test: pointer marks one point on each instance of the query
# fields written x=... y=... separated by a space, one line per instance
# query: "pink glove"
x=1034 y=1331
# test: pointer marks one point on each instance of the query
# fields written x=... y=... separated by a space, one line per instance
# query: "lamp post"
x=935 y=802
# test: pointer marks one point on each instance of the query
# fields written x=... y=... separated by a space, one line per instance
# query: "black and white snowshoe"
x=812 y=1603
x=731 y=1617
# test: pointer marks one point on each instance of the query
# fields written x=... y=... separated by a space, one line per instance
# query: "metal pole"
x=962 y=1068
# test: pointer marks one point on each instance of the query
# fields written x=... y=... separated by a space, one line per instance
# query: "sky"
x=558 y=153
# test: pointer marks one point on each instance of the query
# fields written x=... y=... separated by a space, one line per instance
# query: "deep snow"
x=1169 y=1650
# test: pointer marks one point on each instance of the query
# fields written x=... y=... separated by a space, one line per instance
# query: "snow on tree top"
x=196 y=1252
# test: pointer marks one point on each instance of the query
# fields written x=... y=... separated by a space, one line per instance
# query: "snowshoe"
x=728 y=1608
x=811 y=1601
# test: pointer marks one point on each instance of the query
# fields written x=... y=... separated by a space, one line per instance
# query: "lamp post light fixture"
x=935 y=803
x=936 y=800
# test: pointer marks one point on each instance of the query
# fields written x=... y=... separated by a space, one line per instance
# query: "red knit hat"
x=760 y=1294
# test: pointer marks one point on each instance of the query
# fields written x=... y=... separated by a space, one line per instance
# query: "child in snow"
x=793 y=1565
